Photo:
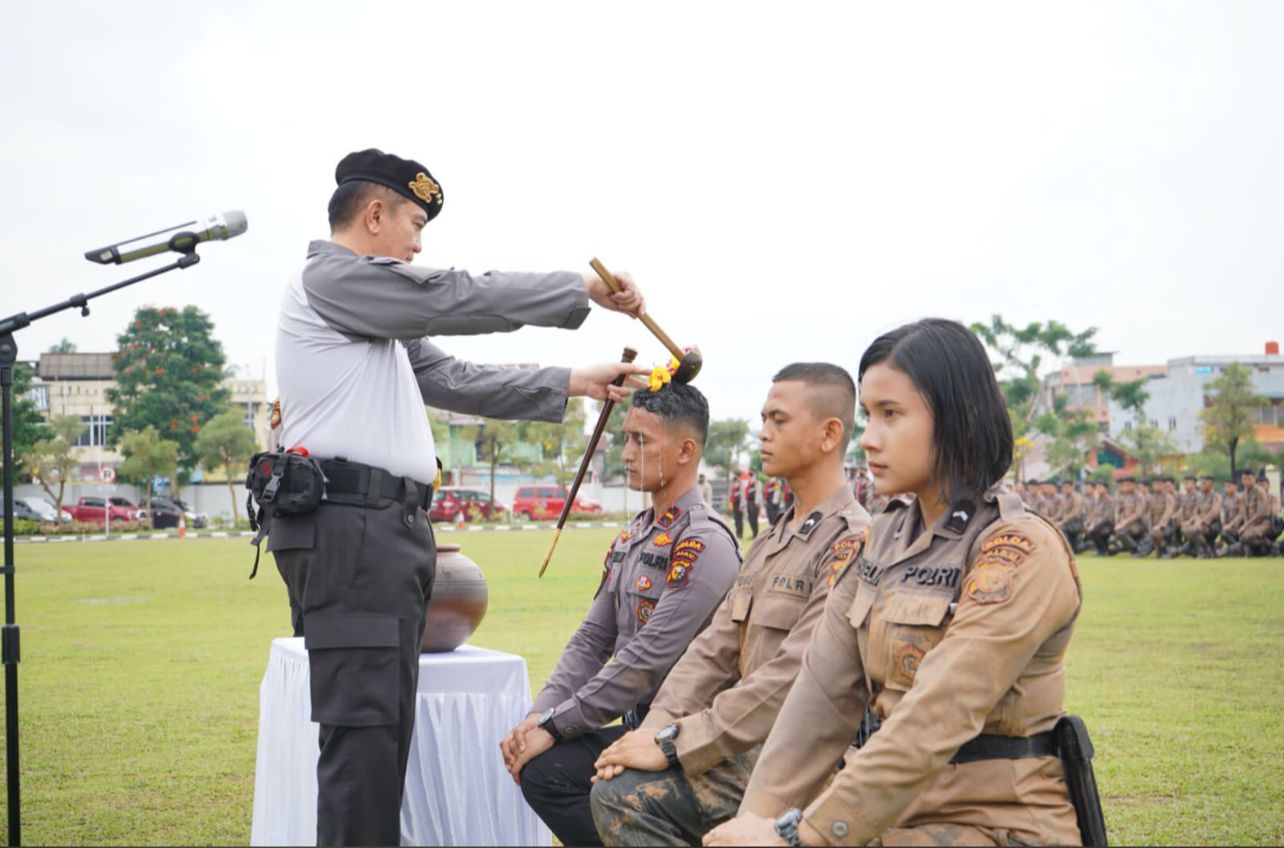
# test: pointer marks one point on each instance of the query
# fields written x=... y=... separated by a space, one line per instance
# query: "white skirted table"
x=457 y=792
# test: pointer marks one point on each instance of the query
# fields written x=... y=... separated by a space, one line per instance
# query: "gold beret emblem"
x=425 y=188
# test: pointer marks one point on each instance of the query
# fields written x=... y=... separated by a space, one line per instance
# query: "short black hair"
x=970 y=424
x=837 y=395
x=351 y=197
x=677 y=402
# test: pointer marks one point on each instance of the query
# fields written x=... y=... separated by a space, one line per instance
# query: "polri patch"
x=644 y=582
x=646 y=606
x=990 y=583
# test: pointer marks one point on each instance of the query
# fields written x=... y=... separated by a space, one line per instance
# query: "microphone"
x=182 y=238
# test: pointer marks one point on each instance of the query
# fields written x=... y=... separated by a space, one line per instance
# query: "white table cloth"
x=457 y=792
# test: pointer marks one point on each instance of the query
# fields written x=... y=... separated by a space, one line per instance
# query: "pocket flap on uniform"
x=289 y=534
x=778 y=611
x=350 y=630
x=920 y=608
x=741 y=600
x=861 y=605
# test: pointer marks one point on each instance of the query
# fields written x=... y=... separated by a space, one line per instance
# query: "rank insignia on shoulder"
x=670 y=516
x=811 y=522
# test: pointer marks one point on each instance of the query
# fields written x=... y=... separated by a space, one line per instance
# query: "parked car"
x=93 y=509
x=545 y=501
x=449 y=501
x=38 y=509
x=35 y=509
x=166 y=512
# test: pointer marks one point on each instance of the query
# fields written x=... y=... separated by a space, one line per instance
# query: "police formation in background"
x=1154 y=516
x=662 y=579
x=346 y=503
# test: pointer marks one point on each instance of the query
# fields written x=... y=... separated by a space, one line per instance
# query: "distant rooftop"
x=75 y=366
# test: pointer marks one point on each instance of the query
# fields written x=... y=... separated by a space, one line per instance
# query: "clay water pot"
x=458 y=602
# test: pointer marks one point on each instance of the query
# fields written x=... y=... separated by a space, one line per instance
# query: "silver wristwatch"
x=787 y=827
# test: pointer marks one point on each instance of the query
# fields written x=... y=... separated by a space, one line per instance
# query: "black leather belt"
x=358 y=484
x=987 y=747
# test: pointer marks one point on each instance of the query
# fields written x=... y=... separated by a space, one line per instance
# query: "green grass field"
x=141 y=663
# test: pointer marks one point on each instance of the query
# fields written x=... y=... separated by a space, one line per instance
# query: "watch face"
x=547 y=716
x=667 y=732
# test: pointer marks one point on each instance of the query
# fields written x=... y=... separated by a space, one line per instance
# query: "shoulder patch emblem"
x=663 y=540
x=990 y=583
x=1011 y=548
x=645 y=607
x=683 y=561
x=843 y=552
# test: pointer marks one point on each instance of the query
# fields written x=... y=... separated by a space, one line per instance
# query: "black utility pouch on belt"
x=1075 y=748
x=280 y=483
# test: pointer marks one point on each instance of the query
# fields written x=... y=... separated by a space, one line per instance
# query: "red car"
x=91 y=509
x=545 y=501
x=449 y=501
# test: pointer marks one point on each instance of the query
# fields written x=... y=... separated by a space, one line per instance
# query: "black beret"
x=404 y=176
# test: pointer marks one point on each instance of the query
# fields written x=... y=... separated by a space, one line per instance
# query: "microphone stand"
x=9 y=653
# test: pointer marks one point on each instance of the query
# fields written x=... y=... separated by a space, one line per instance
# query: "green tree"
x=1147 y=443
x=727 y=440
x=1229 y=412
x=1020 y=352
x=496 y=440
x=227 y=443
x=52 y=461
x=169 y=372
x=562 y=443
x=147 y=456
x=64 y=346
x=28 y=424
x=1071 y=434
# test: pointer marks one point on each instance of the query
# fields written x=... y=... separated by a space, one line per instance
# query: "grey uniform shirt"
x=355 y=370
x=663 y=578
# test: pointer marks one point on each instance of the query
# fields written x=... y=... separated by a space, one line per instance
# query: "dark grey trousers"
x=667 y=807
x=359 y=579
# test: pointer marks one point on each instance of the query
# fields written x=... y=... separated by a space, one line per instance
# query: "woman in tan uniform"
x=951 y=630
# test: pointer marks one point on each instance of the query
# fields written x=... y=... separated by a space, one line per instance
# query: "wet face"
x=652 y=450
x=899 y=436
x=396 y=228
x=794 y=437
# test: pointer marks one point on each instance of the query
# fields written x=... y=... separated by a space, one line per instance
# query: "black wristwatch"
x=787 y=827
x=664 y=738
x=546 y=724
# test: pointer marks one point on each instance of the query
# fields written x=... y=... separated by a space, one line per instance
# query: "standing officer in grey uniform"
x=355 y=372
x=663 y=578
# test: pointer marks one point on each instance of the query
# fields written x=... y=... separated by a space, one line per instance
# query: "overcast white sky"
x=784 y=181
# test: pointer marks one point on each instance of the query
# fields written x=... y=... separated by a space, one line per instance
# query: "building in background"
x=1179 y=394
x=77 y=384
x=1075 y=381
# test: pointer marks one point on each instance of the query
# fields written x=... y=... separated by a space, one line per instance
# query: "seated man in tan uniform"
x=685 y=769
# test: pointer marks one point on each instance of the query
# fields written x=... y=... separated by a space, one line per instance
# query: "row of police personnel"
x=1153 y=516
x=938 y=630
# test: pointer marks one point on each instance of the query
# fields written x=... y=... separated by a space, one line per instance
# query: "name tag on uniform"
x=791 y=584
